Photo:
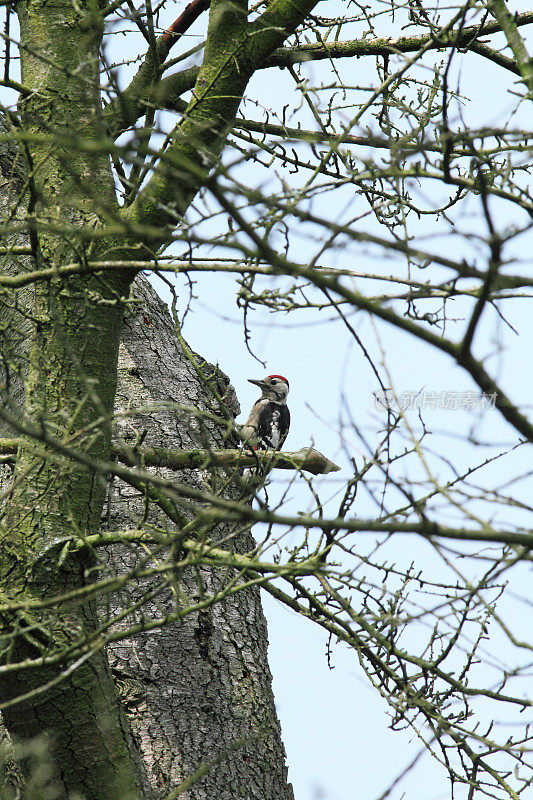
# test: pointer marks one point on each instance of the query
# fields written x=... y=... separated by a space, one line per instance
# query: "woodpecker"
x=268 y=423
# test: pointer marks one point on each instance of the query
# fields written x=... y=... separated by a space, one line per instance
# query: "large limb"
x=509 y=26
x=235 y=49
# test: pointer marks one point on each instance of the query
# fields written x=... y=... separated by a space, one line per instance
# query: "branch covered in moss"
x=509 y=25
x=320 y=51
x=306 y=459
x=234 y=50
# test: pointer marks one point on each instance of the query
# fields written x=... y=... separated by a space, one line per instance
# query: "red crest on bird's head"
x=280 y=377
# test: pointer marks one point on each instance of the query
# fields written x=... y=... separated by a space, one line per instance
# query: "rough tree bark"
x=202 y=686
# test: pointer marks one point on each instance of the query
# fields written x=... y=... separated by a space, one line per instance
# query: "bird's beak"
x=261 y=384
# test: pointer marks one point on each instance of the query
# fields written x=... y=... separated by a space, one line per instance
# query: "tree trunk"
x=91 y=748
x=196 y=691
x=203 y=686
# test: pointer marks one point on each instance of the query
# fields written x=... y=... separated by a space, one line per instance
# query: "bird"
x=268 y=423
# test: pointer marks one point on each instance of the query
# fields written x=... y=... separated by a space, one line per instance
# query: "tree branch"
x=184 y=22
x=234 y=50
x=242 y=267
x=125 y=109
x=320 y=51
x=306 y=459
x=509 y=25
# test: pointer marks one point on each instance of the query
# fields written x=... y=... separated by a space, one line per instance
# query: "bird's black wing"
x=273 y=426
x=285 y=422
